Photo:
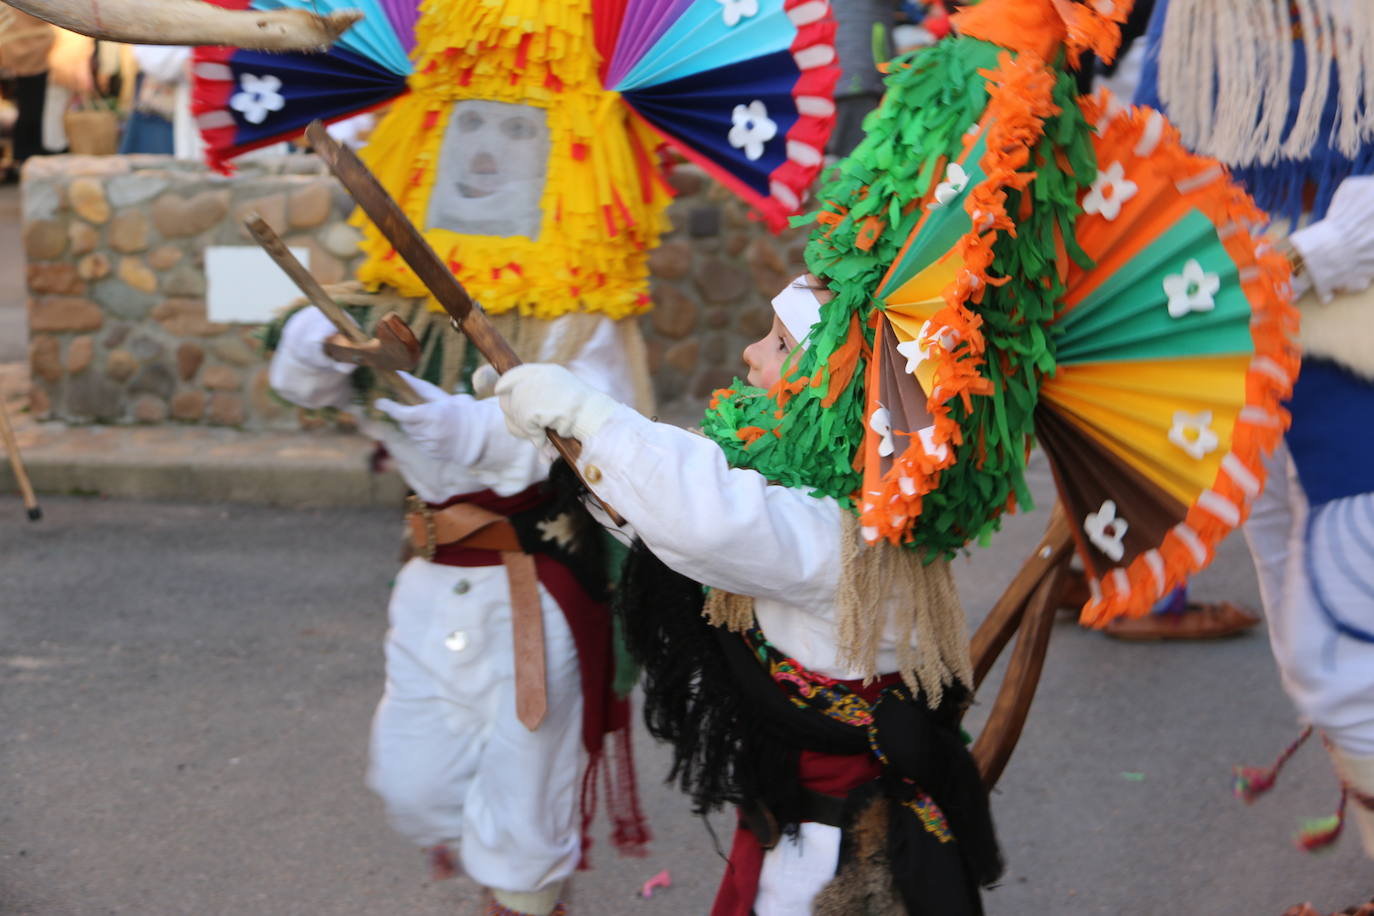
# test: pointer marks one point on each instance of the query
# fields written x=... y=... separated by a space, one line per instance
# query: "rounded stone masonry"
x=118 y=316
x=121 y=330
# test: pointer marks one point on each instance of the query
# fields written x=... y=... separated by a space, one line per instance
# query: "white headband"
x=798 y=308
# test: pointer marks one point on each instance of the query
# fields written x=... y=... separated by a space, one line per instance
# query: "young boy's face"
x=765 y=356
x=800 y=301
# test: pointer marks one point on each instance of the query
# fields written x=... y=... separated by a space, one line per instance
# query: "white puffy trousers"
x=1329 y=676
x=449 y=758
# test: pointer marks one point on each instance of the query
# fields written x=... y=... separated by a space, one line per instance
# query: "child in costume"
x=821 y=691
x=464 y=772
x=491 y=736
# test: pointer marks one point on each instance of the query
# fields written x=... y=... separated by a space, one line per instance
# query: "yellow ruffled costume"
x=604 y=197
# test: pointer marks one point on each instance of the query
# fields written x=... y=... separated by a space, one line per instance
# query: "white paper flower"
x=880 y=421
x=1110 y=190
x=956 y=179
x=917 y=351
x=753 y=128
x=735 y=10
x=1106 y=531
x=1193 y=433
x=1192 y=290
x=258 y=96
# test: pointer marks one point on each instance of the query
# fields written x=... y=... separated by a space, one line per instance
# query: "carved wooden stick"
x=277 y=250
x=192 y=22
x=392 y=222
x=21 y=477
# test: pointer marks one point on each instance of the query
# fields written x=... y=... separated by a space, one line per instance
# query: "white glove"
x=539 y=396
x=303 y=337
x=440 y=427
x=1339 y=250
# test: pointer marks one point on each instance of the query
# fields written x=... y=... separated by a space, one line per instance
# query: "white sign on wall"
x=245 y=286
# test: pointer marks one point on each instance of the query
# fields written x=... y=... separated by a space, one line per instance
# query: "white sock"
x=535 y=903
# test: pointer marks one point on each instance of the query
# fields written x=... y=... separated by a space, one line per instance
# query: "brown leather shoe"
x=1198 y=621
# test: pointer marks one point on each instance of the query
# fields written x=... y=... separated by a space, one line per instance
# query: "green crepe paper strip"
x=924 y=114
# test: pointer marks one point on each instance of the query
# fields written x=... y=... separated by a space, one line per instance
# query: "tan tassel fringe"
x=726 y=609
x=1226 y=66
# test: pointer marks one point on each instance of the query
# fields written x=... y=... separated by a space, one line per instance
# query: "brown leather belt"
x=472 y=526
x=463 y=524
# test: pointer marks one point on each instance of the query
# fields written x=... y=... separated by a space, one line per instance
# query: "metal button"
x=462 y=587
x=591 y=473
x=456 y=641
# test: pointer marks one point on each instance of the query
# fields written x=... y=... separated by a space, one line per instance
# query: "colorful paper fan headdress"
x=1013 y=264
x=573 y=99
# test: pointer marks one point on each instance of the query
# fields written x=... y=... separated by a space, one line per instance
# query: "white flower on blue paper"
x=1193 y=433
x=956 y=179
x=1192 y=290
x=735 y=10
x=1110 y=190
x=753 y=128
x=258 y=96
x=880 y=421
x=1106 y=531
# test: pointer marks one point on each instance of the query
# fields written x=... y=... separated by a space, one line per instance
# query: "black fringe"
x=722 y=753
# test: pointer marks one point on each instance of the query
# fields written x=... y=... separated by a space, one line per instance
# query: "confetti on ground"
x=661 y=880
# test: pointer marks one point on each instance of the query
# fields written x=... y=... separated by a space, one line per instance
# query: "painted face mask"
x=492 y=168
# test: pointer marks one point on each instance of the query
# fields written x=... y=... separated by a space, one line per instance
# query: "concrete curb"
x=203 y=466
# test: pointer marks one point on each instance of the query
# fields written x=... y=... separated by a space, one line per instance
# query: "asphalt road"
x=185 y=693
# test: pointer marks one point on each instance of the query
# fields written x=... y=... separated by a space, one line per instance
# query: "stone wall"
x=118 y=330
x=713 y=278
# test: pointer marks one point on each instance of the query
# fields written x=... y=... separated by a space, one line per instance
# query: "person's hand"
x=303 y=337
x=69 y=62
x=439 y=426
x=1338 y=251
x=539 y=396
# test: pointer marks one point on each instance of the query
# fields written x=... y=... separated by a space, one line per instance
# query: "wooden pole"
x=277 y=250
x=20 y=475
x=392 y=222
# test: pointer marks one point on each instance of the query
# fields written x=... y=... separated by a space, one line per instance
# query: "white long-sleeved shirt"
x=491 y=458
x=729 y=528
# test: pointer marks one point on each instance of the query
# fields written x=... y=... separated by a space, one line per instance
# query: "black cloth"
x=30 y=92
x=736 y=738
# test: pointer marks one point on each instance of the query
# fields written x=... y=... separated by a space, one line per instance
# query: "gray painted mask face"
x=492 y=167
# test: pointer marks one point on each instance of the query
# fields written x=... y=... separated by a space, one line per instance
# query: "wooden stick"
x=997 y=628
x=278 y=252
x=999 y=736
x=410 y=244
x=20 y=475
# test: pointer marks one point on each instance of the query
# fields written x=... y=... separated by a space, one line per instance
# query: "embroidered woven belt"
x=481 y=529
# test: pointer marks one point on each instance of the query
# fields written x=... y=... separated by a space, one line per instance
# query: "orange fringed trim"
x=1132 y=591
x=1020 y=100
x=750 y=434
x=1041 y=26
x=719 y=394
x=843 y=362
